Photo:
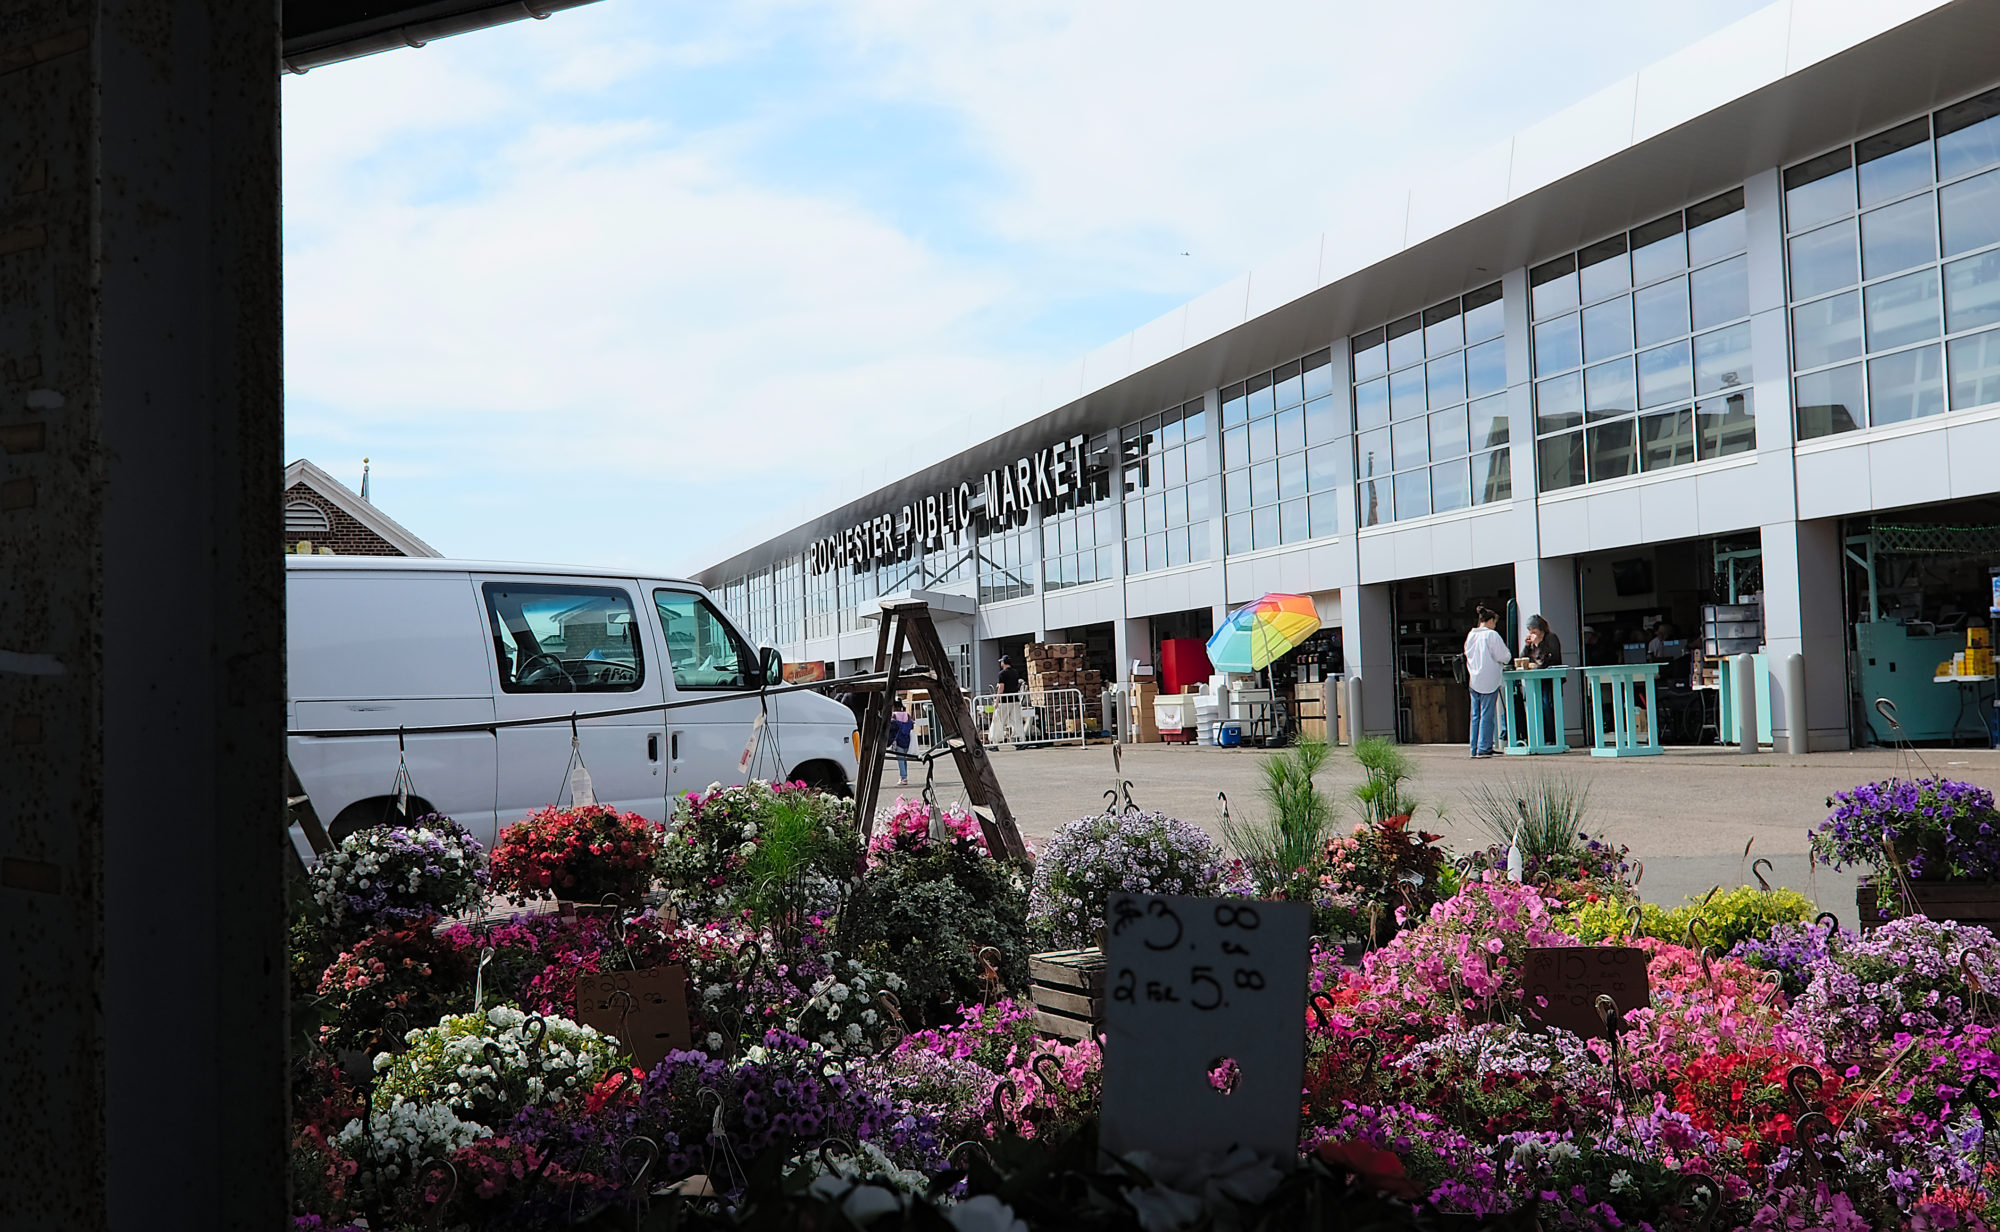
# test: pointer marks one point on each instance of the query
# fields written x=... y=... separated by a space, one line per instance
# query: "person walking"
x=1006 y=704
x=900 y=727
x=1486 y=657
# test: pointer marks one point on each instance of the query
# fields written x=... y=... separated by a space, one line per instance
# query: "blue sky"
x=630 y=285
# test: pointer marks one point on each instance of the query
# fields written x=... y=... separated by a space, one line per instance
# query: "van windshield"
x=564 y=639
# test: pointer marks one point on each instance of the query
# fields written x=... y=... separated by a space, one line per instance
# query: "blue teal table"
x=1622 y=680
x=1529 y=737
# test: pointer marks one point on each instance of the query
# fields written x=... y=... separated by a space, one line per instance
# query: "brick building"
x=324 y=517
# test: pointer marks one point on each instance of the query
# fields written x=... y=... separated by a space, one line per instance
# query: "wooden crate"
x=1967 y=902
x=1068 y=988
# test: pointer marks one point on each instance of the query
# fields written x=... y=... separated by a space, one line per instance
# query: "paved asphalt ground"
x=1687 y=813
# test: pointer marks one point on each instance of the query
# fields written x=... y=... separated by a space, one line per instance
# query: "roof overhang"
x=321 y=32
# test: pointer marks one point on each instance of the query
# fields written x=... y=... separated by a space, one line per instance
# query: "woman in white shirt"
x=1486 y=656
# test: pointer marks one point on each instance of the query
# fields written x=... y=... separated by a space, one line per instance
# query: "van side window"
x=564 y=639
x=705 y=652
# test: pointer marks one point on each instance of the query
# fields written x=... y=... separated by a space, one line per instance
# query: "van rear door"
x=563 y=646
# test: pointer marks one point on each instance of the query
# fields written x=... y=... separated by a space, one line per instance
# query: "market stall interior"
x=1431 y=618
x=1921 y=601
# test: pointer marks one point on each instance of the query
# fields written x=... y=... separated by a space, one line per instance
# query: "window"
x=1892 y=255
x=704 y=651
x=1080 y=537
x=1430 y=423
x=1166 y=489
x=1631 y=336
x=1279 y=464
x=564 y=639
x=303 y=518
x=788 y=601
x=822 y=602
x=1006 y=565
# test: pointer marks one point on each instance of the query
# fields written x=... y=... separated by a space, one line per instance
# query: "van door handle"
x=674 y=746
x=653 y=746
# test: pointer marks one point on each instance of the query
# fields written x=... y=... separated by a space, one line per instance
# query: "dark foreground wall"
x=141 y=620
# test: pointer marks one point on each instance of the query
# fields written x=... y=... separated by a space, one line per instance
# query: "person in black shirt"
x=1541 y=648
x=1006 y=704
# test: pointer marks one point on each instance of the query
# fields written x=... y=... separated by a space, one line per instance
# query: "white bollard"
x=1354 y=732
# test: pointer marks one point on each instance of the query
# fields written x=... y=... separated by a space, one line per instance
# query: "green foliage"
x=1285 y=848
x=804 y=835
x=1387 y=767
x=1546 y=811
x=1721 y=921
x=925 y=914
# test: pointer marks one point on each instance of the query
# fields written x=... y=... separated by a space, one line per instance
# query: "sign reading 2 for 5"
x=1204 y=1025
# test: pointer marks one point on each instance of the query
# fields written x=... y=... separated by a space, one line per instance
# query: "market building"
x=1712 y=355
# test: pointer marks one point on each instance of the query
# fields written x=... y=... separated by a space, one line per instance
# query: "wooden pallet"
x=1068 y=989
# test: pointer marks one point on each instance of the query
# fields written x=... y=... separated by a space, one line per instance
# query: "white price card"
x=1204 y=1020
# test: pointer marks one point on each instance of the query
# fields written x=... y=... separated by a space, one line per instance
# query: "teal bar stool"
x=1621 y=740
x=1528 y=738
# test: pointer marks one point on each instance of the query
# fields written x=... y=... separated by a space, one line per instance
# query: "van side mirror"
x=773 y=665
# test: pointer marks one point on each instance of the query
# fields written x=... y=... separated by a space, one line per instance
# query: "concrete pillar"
x=1803 y=615
x=1548 y=588
x=141 y=598
x=1368 y=639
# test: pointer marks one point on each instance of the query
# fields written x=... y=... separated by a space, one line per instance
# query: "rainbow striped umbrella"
x=1257 y=633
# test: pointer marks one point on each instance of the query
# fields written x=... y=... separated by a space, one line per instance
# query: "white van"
x=388 y=642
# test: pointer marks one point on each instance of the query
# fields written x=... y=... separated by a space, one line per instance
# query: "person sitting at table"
x=1657 y=649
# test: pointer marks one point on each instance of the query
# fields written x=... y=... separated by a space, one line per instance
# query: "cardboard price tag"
x=646 y=1010
x=1204 y=1020
x=1569 y=980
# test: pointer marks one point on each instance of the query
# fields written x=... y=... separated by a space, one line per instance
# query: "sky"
x=630 y=287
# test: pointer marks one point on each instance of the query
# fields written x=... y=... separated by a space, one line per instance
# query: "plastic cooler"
x=1229 y=735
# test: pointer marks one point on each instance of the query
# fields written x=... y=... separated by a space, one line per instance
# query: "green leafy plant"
x=806 y=837
x=1720 y=920
x=1284 y=849
x=1381 y=794
x=928 y=908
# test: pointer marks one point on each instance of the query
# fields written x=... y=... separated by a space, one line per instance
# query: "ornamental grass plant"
x=1283 y=848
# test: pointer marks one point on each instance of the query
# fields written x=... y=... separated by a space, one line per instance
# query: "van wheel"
x=372 y=812
x=823 y=776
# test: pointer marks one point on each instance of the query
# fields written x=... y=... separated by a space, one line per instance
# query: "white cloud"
x=548 y=269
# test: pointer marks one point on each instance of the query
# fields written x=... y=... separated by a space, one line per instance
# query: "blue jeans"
x=1485 y=720
x=902 y=761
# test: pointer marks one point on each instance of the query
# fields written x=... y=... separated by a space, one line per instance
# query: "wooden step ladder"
x=906 y=626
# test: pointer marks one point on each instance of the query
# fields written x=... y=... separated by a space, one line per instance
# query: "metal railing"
x=1031 y=717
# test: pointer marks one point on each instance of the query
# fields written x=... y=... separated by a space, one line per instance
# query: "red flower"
x=1373 y=1168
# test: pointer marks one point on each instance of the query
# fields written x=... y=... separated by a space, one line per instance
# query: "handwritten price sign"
x=1564 y=982
x=645 y=1009
x=1204 y=1022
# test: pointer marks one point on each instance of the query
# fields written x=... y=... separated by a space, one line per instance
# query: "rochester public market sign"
x=1045 y=478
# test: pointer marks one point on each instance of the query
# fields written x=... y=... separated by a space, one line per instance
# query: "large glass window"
x=1079 y=543
x=1632 y=336
x=1166 y=486
x=1430 y=422
x=564 y=639
x=704 y=651
x=823 y=603
x=1279 y=432
x=1006 y=564
x=1893 y=262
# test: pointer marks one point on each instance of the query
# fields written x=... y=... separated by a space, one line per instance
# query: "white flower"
x=1621 y=1180
x=984 y=1213
x=853 y=1033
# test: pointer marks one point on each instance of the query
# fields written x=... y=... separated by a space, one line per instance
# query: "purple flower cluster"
x=388 y=876
x=787 y=1096
x=1093 y=858
x=1791 y=950
x=1936 y=827
x=1908 y=976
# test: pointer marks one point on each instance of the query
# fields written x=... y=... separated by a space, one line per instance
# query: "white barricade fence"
x=1031 y=717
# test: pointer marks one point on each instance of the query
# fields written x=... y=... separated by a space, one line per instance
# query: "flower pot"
x=1966 y=902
